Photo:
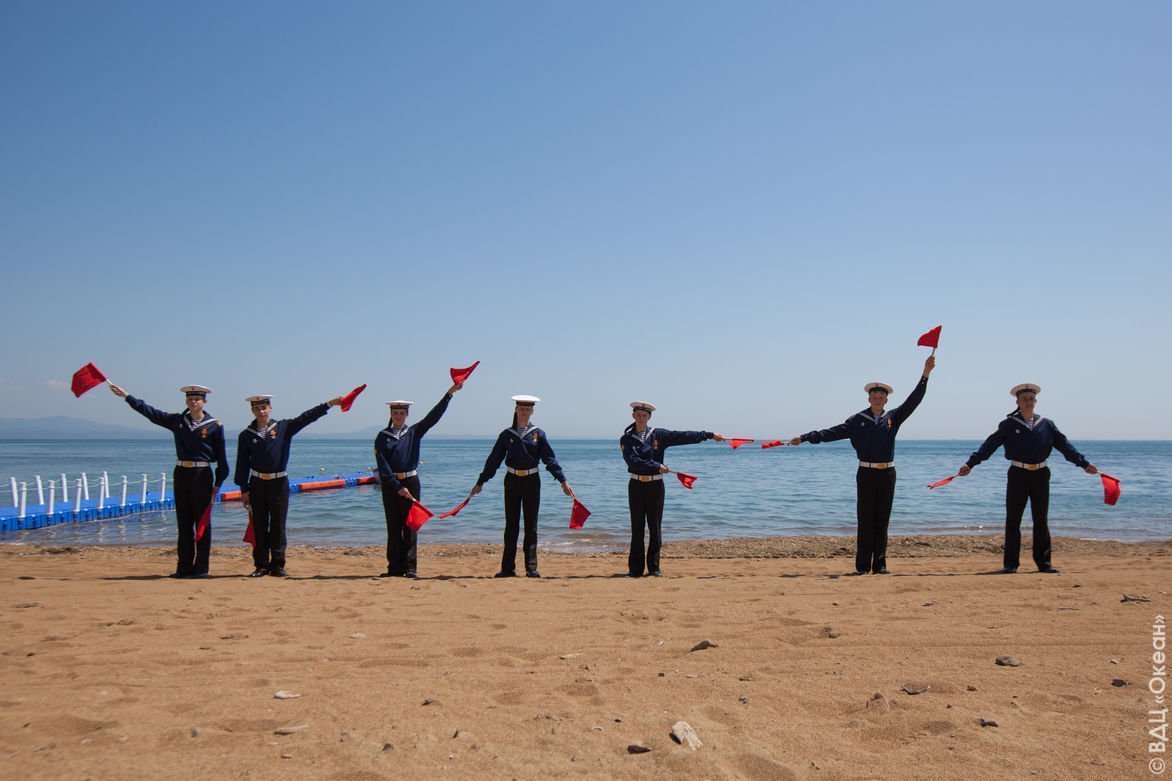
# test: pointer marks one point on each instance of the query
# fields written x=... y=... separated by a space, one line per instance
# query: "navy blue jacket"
x=402 y=454
x=645 y=458
x=521 y=453
x=873 y=440
x=268 y=450
x=1024 y=445
x=203 y=441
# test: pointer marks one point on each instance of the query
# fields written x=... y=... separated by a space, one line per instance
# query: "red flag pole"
x=945 y=481
x=455 y=510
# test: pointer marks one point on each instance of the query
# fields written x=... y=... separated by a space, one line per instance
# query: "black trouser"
x=270 y=506
x=193 y=493
x=876 y=489
x=1023 y=485
x=401 y=538
x=521 y=492
x=646 y=502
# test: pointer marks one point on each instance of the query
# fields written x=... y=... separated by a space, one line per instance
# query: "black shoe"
x=655 y=573
x=1007 y=571
x=634 y=574
x=199 y=575
x=533 y=574
x=505 y=574
x=389 y=574
x=882 y=571
x=858 y=572
x=410 y=574
x=1049 y=569
x=278 y=572
x=179 y=575
x=259 y=572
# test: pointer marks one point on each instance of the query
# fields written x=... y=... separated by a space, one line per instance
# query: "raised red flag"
x=459 y=375
x=348 y=399
x=1111 y=488
x=578 y=515
x=417 y=516
x=945 y=481
x=772 y=443
x=454 y=510
x=735 y=443
x=86 y=378
x=930 y=339
x=686 y=480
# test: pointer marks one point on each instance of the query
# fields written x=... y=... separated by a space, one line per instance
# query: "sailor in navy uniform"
x=396 y=451
x=1028 y=441
x=872 y=434
x=643 y=449
x=199 y=441
x=520 y=447
x=262 y=456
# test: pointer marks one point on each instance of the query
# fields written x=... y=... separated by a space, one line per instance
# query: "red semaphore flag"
x=930 y=339
x=348 y=399
x=771 y=443
x=249 y=532
x=1111 y=489
x=417 y=516
x=735 y=443
x=454 y=510
x=578 y=515
x=86 y=378
x=459 y=375
x=686 y=480
x=205 y=520
x=945 y=481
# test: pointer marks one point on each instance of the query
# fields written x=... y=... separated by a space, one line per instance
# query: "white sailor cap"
x=1025 y=386
x=262 y=397
x=195 y=390
x=399 y=404
x=870 y=386
x=646 y=406
x=525 y=400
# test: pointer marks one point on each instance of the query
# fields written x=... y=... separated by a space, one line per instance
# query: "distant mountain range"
x=60 y=427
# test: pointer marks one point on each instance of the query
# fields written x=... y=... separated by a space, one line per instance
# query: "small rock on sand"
x=682 y=733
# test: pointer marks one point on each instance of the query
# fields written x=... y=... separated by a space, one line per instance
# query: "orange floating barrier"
x=321 y=485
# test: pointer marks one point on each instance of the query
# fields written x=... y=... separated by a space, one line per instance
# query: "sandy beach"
x=111 y=670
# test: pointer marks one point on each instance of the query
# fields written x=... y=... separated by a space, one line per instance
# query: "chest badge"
x=535 y=438
x=203 y=432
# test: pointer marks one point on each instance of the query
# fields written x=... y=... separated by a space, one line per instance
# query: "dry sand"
x=110 y=670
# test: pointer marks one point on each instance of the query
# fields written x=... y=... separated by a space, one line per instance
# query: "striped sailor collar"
x=192 y=425
x=1030 y=424
x=395 y=433
x=259 y=431
x=522 y=431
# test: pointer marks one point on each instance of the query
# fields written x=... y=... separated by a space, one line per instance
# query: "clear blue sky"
x=740 y=211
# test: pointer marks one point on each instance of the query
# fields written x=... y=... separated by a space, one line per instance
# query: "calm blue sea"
x=748 y=492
